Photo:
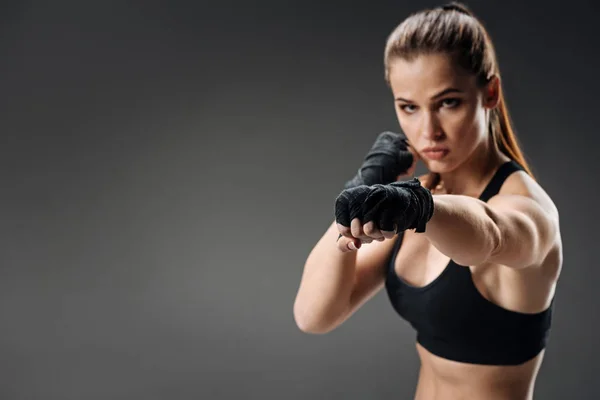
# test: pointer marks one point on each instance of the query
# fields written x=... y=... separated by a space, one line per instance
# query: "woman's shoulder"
x=521 y=183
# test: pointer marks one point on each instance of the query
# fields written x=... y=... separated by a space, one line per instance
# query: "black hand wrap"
x=405 y=204
x=388 y=157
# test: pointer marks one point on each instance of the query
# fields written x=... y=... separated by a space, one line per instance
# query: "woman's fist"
x=353 y=237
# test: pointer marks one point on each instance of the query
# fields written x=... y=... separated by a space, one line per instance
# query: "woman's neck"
x=471 y=177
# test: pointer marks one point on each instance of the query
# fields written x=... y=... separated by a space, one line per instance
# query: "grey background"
x=167 y=166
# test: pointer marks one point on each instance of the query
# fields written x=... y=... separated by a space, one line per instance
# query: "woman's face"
x=440 y=109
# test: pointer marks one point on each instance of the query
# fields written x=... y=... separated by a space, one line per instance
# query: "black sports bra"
x=454 y=321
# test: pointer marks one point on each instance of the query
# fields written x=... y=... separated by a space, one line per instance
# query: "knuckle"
x=344 y=230
x=356 y=228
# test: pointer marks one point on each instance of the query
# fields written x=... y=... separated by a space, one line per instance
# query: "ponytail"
x=504 y=136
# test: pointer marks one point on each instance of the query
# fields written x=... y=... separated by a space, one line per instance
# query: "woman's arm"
x=335 y=283
x=513 y=230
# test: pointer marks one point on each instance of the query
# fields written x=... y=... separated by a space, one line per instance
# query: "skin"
x=511 y=243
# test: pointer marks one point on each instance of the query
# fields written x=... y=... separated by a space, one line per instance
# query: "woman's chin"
x=438 y=167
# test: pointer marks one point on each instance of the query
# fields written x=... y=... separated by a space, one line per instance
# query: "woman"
x=470 y=253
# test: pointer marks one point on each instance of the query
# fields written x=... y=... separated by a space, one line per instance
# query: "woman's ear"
x=491 y=92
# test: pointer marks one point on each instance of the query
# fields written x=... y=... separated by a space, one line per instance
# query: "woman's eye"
x=408 y=108
x=450 y=103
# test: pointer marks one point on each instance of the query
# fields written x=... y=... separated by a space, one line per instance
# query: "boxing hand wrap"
x=405 y=205
x=388 y=157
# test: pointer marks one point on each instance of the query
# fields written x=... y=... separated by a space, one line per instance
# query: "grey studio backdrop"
x=167 y=166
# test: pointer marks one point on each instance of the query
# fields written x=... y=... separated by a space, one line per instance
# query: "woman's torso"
x=441 y=379
x=418 y=265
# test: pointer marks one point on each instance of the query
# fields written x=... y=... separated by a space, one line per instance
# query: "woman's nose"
x=430 y=127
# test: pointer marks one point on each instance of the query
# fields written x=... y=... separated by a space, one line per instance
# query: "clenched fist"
x=377 y=212
x=389 y=157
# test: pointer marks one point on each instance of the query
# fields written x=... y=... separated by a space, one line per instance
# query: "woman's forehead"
x=427 y=74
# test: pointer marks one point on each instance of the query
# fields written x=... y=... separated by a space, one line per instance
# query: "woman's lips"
x=435 y=153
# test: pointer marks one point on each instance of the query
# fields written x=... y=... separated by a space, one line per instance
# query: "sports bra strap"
x=493 y=187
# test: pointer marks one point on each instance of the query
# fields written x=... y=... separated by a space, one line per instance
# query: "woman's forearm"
x=326 y=285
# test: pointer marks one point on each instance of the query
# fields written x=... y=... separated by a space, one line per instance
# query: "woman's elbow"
x=308 y=322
